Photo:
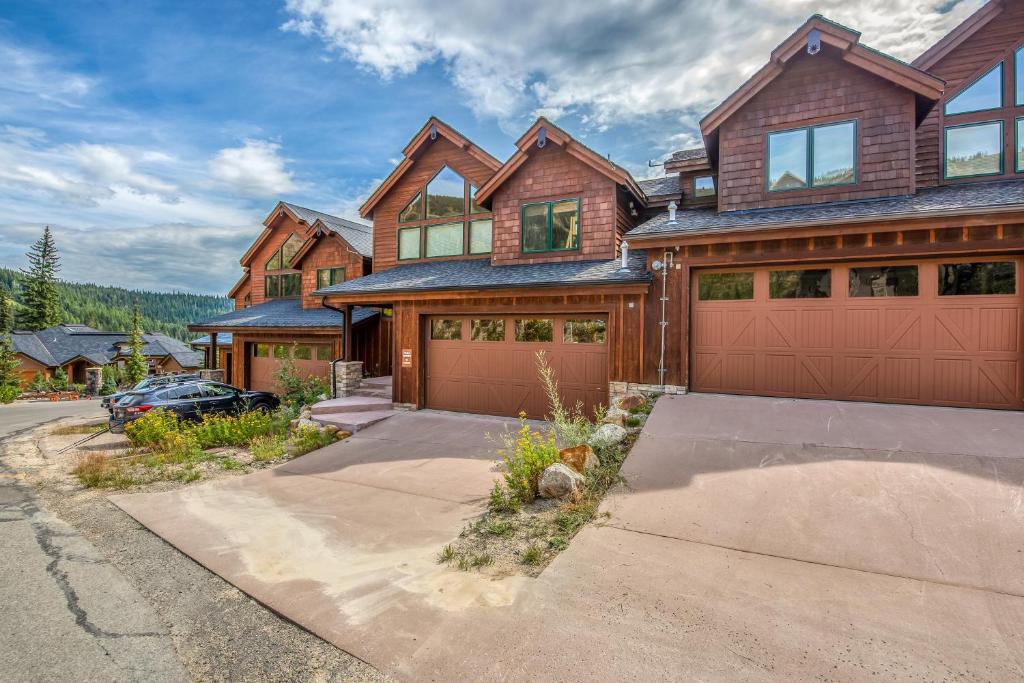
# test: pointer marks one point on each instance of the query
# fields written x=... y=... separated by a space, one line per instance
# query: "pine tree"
x=6 y=311
x=135 y=367
x=40 y=295
x=10 y=382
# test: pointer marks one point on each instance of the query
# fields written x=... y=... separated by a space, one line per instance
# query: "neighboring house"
x=851 y=229
x=224 y=356
x=277 y=317
x=77 y=347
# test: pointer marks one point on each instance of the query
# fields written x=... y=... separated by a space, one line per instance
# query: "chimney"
x=625 y=255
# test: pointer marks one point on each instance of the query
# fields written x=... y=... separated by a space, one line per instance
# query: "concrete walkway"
x=759 y=540
x=65 y=612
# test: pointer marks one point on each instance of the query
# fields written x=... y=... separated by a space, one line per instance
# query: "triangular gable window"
x=282 y=257
x=473 y=206
x=984 y=93
x=446 y=194
x=412 y=210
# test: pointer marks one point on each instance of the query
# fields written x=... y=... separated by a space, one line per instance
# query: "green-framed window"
x=445 y=239
x=811 y=157
x=325 y=277
x=551 y=226
x=1018 y=76
x=413 y=211
x=481 y=233
x=985 y=92
x=446 y=194
x=1018 y=145
x=973 y=149
x=282 y=286
x=408 y=243
x=283 y=255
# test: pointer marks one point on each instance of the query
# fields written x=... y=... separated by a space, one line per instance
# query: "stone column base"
x=348 y=376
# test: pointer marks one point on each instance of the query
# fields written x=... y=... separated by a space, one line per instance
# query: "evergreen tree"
x=10 y=382
x=135 y=367
x=6 y=311
x=40 y=295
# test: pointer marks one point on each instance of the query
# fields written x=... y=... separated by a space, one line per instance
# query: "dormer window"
x=551 y=226
x=283 y=285
x=986 y=92
x=703 y=186
x=816 y=156
x=440 y=215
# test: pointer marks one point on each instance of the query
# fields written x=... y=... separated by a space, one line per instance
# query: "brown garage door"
x=311 y=360
x=943 y=332
x=488 y=365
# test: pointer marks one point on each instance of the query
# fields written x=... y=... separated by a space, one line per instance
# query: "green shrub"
x=60 y=380
x=268 y=447
x=570 y=426
x=153 y=427
x=502 y=501
x=297 y=390
x=526 y=455
x=632 y=421
x=8 y=393
x=231 y=430
x=39 y=383
x=307 y=439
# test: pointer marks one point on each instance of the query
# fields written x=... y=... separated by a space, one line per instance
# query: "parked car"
x=148 y=383
x=190 y=401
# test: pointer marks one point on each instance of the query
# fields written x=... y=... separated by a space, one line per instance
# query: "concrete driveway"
x=758 y=540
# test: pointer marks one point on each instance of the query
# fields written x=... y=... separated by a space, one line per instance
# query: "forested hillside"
x=110 y=308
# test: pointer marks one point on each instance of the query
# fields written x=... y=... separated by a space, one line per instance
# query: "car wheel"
x=260 y=408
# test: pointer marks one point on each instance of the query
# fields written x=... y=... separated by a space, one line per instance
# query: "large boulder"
x=580 y=458
x=607 y=435
x=630 y=402
x=559 y=481
x=615 y=416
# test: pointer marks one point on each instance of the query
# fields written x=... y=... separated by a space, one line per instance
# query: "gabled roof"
x=967 y=28
x=357 y=240
x=56 y=346
x=553 y=134
x=693 y=159
x=281 y=313
x=925 y=86
x=238 y=285
x=433 y=128
x=359 y=232
x=661 y=187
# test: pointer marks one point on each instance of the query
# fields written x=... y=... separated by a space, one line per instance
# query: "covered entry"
x=487 y=364
x=937 y=332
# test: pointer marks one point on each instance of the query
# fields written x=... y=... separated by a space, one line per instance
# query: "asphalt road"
x=65 y=612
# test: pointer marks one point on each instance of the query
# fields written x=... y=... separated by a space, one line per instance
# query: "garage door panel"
x=891 y=343
x=500 y=377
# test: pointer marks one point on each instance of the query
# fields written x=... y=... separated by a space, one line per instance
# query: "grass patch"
x=532 y=555
x=446 y=555
x=307 y=439
x=98 y=470
x=72 y=430
x=633 y=421
x=498 y=527
x=269 y=447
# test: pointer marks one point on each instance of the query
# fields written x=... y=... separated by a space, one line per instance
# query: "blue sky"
x=155 y=136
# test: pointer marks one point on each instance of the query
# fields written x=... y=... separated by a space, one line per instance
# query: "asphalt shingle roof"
x=284 y=313
x=359 y=235
x=223 y=339
x=948 y=200
x=690 y=154
x=480 y=274
x=659 y=187
x=58 y=345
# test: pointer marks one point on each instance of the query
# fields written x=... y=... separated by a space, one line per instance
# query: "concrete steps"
x=353 y=422
x=352 y=404
x=368 y=405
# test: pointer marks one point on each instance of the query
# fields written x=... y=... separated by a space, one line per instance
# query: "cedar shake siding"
x=283 y=226
x=433 y=156
x=814 y=90
x=551 y=174
x=330 y=252
x=993 y=42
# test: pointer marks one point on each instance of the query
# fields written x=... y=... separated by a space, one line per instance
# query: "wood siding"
x=548 y=174
x=331 y=252
x=283 y=226
x=814 y=90
x=994 y=41
x=437 y=154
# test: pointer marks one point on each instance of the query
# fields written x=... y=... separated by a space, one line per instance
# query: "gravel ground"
x=219 y=632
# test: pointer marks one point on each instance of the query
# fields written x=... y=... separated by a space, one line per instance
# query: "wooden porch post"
x=348 y=333
x=213 y=350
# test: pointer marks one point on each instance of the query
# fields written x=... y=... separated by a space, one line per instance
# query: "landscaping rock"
x=331 y=429
x=342 y=434
x=559 y=481
x=607 y=435
x=630 y=402
x=615 y=416
x=304 y=422
x=581 y=458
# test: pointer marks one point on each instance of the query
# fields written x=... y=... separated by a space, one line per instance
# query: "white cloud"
x=117 y=167
x=254 y=169
x=29 y=76
x=606 y=60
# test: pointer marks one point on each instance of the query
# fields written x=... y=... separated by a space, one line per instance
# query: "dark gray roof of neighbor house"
x=223 y=339
x=359 y=235
x=480 y=274
x=659 y=187
x=948 y=200
x=58 y=345
x=284 y=313
x=690 y=154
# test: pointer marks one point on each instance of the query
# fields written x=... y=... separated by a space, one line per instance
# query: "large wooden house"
x=852 y=228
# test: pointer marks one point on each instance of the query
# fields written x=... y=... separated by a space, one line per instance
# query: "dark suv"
x=148 y=383
x=190 y=401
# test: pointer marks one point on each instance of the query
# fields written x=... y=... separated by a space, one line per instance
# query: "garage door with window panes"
x=309 y=360
x=936 y=332
x=487 y=364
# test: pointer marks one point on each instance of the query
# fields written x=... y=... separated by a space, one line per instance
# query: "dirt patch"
x=219 y=632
